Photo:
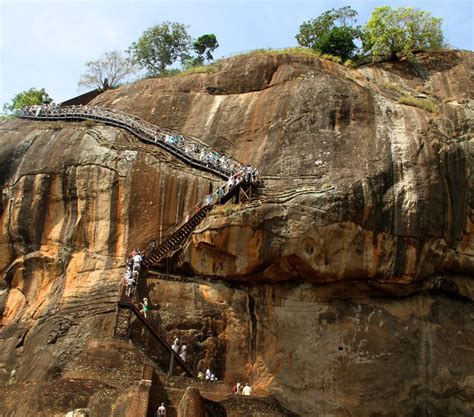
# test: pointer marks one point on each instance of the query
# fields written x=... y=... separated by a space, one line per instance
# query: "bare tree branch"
x=108 y=71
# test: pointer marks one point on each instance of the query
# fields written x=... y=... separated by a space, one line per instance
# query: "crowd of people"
x=191 y=148
x=132 y=272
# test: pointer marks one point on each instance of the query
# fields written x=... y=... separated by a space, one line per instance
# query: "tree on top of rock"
x=398 y=32
x=205 y=45
x=331 y=33
x=107 y=72
x=161 y=46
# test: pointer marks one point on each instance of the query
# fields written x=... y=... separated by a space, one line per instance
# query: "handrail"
x=172 y=230
x=222 y=195
x=157 y=334
x=187 y=148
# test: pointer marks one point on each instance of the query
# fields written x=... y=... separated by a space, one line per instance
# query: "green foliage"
x=161 y=46
x=201 y=69
x=108 y=71
x=331 y=33
x=348 y=63
x=294 y=51
x=394 y=87
x=204 y=46
x=332 y=58
x=29 y=97
x=398 y=32
x=339 y=41
x=418 y=102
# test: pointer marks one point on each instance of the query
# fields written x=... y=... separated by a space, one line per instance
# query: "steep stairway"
x=175 y=238
x=200 y=156
x=128 y=310
x=178 y=233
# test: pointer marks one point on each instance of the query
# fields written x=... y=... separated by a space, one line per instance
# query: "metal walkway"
x=188 y=149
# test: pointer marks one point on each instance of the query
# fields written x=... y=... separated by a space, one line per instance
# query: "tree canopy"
x=108 y=71
x=161 y=46
x=205 y=45
x=396 y=32
x=29 y=97
x=332 y=32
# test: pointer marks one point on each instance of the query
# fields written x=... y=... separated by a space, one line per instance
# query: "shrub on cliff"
x=331 y=33
x=398 y=32
x=29 y=97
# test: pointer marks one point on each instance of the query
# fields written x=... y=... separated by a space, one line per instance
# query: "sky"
x=45 y=44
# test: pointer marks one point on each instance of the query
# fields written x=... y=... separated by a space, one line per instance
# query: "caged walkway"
x=193 y=153
x=188 y=149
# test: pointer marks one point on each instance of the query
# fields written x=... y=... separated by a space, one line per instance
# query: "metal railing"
x=184 y=147
x=188 y=149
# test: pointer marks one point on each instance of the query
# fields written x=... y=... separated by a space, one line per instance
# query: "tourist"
x=145 y=308
x=246 y=390
x=130 y=262
x=135 y=275
x=153 y=245
x=208 y=374
x=137 y=260
x=182 y=355
x=161 y=411
x=237 y=388
x=201 y=376
x=175 y=345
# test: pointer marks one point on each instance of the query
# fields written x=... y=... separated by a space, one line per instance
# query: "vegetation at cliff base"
x=28 y=97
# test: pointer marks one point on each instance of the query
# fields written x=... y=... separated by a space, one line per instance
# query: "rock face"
x=344 y=288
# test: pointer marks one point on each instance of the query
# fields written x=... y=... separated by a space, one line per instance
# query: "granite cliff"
x=343 y=289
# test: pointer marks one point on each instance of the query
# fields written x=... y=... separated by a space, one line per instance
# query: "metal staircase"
x=126 y=310
x=178 y=233
x=176 y=238
x=190 y=151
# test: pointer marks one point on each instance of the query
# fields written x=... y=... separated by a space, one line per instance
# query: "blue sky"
x=45 y=44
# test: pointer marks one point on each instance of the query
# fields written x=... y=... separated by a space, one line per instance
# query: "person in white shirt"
x=175 y=345
x=182 y=355
x=247 y=390
x=161 y=412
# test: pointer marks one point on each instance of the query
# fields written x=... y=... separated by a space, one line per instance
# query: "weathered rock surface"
x=74 y=200
x=397 y=203
x=345 y=290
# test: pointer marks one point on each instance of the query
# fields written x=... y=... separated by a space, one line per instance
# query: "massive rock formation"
x=343 y=289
